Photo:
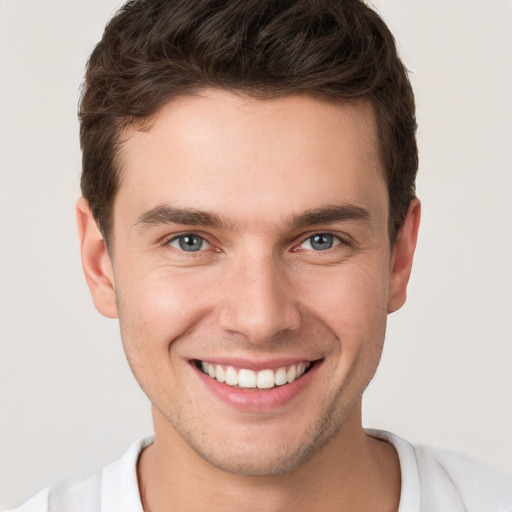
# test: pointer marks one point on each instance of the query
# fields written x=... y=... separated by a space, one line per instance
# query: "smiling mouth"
x=243 y=378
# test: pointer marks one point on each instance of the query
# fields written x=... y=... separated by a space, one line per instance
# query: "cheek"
x=349 y=299
x=158 y=306
x=352 y=304
x=155 y=310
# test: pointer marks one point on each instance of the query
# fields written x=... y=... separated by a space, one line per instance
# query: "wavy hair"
x=155 y=50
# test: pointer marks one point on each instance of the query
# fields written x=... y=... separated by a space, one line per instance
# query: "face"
x=252 y=273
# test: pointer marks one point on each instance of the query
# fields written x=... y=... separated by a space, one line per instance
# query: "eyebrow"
x=164 y=214
x=329 y=215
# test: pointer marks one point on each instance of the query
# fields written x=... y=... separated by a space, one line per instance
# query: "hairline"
x=143 y=124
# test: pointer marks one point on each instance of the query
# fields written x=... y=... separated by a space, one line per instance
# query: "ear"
x=401 y=260
x=96 y=263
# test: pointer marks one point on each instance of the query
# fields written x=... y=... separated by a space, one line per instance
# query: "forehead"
x=225 y=152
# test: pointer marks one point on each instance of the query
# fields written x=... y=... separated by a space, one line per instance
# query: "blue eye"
x=321 y=242
x=189 y=242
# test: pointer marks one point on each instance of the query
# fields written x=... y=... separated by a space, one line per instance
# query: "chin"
x=263 y=453
x=253 y=462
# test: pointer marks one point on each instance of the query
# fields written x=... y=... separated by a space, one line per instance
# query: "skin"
x=257 y=291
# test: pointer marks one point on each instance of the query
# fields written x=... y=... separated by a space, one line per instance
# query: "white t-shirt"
x=433 y=480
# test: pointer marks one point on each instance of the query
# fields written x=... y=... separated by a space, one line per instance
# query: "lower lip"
x=254 y=399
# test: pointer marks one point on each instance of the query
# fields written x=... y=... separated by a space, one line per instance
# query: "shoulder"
x=478 y=487
x=38 y=503
x=80 y=496
x=115 y=488
x=435 y=480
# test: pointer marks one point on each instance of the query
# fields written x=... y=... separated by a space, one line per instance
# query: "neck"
x=351 y=472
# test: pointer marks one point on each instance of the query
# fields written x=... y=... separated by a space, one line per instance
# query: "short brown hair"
x=155 y=50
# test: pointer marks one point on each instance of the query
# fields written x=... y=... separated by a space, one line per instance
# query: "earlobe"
x=96 y=261
x=403 y=253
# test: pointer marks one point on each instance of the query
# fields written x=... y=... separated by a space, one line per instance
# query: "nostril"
x=256 y=303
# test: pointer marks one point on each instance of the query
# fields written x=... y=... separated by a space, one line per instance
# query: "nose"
x=258 y=300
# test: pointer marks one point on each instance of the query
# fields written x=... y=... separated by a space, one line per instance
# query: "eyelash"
x=181 y=236
x=337 y=241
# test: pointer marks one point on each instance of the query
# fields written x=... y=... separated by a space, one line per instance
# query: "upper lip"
x=256 y=365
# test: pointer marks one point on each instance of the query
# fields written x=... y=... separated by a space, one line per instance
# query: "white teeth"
x=231 y=376
x=281 y=377
x=291 y=374
x=264 y=379
x=247 y=379
x=220 y=375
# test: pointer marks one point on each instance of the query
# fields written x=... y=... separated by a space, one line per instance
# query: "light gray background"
x=68 y=401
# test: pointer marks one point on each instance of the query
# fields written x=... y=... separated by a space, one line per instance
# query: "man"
x=249 y=216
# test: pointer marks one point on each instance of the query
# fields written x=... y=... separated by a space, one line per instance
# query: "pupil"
x=191 y=243
x=322 y=241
